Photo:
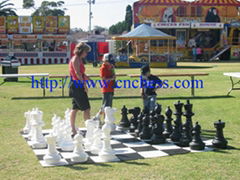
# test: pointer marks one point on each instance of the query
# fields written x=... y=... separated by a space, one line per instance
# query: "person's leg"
x=152 y=102
x=72 y=120
x=86 y=114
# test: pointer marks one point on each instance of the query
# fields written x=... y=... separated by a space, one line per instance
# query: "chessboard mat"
x=126 y=147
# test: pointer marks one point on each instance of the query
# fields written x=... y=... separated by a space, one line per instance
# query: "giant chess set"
x=147 y=134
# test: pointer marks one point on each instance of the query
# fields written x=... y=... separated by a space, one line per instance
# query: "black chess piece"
x=157 y=130
x=177 y=132
x=178 y=112
x=124 y=123
x=186 y=135
x=197 y=143
x=158 y=109
x=139 y=127
x=133 y=121
x=188 y=113
x=219 y=140
x=168 y=130
x=146 y=130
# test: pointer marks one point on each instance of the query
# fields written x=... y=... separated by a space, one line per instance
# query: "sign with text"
x=63 y=24
x=162 y=25
x=2 y=25
x=51 y=24
x=12 y=24
x=207 y=25
x=38 y=24
x=25 y=24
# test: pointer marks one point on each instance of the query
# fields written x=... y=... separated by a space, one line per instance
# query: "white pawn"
x=97 y=143
x=52 y=157
x=107 y=154
x=27 y=126
x=90 y=125
x=109 y=115
x=78 y=154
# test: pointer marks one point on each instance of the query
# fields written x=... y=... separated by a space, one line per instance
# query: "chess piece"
x=158 y=137
x=158 y=109
x=52 y=157
x=139 y=127
x=37 y=138
x=27 y=126
x=78 y=154
x=219 y=140
x=30 y=134
x=178 y=113
x=97 y=143
x=107 y=154
x=197 y=143
x=186 y=136
x=91 y=125
x=109 y=114
x=188 y=113
x=146 y=130
x=177 y=132
x=124 y=123
x=168 y=130
x=134 y=119
x=67 y=142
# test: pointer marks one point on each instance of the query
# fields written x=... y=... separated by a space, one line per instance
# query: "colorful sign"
x=38 y=24
x=235 y=52
x=25 y=24
x=162 y=25
x=2 y=25
x=63 y=24
x=12 y=24
x=51 y=24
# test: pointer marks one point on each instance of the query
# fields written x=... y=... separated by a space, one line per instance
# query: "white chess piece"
x=52 y=157
x=27 y=126
x=97 y=143
x=107 y=154
x=78 y=154
x=37 y=139
x=67 y=143
x=90 y=125
x=109 y=114
x=30 y=134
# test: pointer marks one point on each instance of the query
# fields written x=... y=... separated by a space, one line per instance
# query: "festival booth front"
x=212 y=25
x=35 y=40
x=147 y=45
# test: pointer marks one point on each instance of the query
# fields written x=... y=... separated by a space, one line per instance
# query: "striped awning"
x=216 y=2
x=163 y=2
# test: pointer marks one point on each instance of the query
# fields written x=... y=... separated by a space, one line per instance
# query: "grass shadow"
x=135 y=163
x=123 y=97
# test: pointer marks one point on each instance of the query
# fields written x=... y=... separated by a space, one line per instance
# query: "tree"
x=47 y=8
x=125 y=25
x=6 y=9
x=129 y=17
x=99 y=29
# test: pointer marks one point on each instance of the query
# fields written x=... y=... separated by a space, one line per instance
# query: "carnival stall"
x=212 y=25
x=35 y=40
x=148 y=46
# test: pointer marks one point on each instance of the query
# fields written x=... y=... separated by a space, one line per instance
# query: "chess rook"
x=219 y=140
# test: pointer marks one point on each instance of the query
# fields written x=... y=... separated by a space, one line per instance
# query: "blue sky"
x=105 y=12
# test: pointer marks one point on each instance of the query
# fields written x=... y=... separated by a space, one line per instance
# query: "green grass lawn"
x=17 y=161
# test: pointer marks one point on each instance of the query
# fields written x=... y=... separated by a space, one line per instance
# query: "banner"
x=207 y=25
x=51 y=24
x=63 y=24
x=2 y=25
x=12 y=24
x=162 y=25
x=38 y=24
x=25 y=24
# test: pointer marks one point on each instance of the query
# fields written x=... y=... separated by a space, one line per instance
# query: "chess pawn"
x=124 y=123
x=97 y=143
x=79 y=154
x=27 y=126
x=197 y=143
x=168 y=130
x=187 y=135
x=52 y=157
x=219 y=140
x=146 y=130
x=109 y=114
x=158 y=137
x=90 y=125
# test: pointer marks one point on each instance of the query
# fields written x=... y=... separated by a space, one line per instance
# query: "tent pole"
x=149 y=51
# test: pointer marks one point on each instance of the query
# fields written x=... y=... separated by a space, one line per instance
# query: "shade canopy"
x=145 y=32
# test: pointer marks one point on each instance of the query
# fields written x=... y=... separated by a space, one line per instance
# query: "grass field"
x=17 y=161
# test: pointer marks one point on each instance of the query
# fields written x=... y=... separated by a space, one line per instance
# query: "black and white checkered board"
x=126 y=147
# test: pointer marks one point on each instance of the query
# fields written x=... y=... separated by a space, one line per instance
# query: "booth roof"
x=144 y=32
x=217 y=2
x=163 y=2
